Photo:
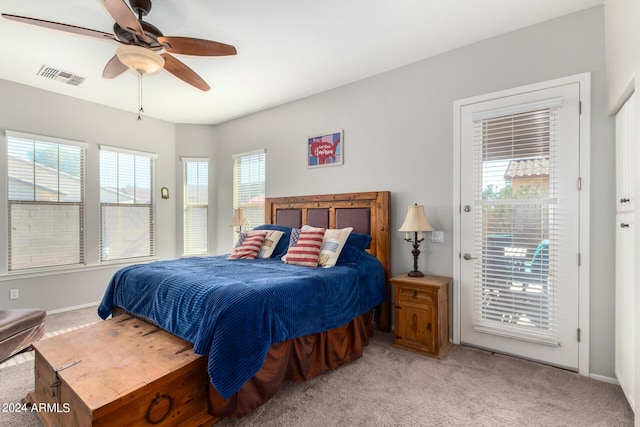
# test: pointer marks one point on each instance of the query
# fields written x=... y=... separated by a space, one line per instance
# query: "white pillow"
x=269 y=244
x=332 y=244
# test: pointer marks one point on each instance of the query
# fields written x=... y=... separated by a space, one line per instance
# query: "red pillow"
x=250 y=245
x=307 y=249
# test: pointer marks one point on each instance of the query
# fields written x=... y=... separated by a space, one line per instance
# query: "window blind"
x=127 y=211
x=249 y=186
x=196 y=206
x=45 y=183
x=516 y=223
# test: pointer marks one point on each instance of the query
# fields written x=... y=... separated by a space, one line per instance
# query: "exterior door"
x=519 y=224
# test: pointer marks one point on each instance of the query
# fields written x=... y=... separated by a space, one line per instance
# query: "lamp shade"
x=239 y=218
x=140 y=59
x=416 y=220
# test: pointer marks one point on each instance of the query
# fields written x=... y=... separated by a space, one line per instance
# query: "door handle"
x=468 y=257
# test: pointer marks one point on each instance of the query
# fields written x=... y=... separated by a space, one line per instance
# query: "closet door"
x=625 y=157
x=626 y=153
x=625 y=298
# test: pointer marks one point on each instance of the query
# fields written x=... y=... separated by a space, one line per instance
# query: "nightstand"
x=421 y=308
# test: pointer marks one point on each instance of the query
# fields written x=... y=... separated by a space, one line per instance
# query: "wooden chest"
x=119 y=372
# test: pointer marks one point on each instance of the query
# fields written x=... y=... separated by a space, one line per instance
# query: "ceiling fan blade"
x=113 y=68
x=123 y=16
x=198 y=47
x=61 y=27
x=181 y=71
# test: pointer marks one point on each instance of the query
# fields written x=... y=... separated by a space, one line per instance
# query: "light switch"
x=437 y=236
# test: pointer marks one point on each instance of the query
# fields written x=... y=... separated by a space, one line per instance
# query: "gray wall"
x=36 y=111
x=398 y=137
x=622 y=18
x=398 y=133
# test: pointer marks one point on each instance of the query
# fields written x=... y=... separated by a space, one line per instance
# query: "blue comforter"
x=233 y=310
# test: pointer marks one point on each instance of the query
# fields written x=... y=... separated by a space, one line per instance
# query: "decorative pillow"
x=271 y=239
x=355 y=245
x=332 y=243
x=283 y=243
x=307 y=249
x=295 y=234
x=293 y=239
x=250 y=246
x=241 y=238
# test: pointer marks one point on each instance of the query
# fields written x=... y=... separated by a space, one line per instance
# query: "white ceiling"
x=287 y=49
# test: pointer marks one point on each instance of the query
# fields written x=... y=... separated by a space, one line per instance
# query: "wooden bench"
x=122 y=371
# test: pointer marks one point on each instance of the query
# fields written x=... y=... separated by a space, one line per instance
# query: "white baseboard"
x=75 y=307
x=604 y=379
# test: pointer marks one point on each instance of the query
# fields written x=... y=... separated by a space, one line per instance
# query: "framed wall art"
x=325 y=149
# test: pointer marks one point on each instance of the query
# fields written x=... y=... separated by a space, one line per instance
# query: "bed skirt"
x=299 y=359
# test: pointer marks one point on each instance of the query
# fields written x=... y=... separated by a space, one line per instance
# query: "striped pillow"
x=307 y=249
x=250 y=246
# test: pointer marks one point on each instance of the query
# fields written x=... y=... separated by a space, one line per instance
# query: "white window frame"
x=186 y=226
x=81 y=204
x=152 y=206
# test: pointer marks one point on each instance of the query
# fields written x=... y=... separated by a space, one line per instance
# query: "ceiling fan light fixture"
x=140 y=59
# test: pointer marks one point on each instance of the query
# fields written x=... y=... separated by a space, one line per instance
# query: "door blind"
x=196 y=206
x=516 y=222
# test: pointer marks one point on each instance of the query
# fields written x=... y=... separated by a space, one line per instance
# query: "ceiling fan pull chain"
x=140 y=109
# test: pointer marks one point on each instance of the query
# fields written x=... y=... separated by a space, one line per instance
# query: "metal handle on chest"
x=156 y=401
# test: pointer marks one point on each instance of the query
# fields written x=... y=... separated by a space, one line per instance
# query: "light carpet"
x=392 y=387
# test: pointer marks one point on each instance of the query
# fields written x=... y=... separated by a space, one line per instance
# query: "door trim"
x=584 y=80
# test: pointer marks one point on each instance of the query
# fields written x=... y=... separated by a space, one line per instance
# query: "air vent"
x=61 y=76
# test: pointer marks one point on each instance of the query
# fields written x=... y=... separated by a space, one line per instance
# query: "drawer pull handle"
x=624 y=200
x=429 y=326
x=415 y=294
x=623 y=225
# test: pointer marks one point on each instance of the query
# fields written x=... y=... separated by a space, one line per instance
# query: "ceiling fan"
x=138 y=39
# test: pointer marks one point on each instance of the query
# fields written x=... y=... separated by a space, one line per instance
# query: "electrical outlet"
x=437 y=236
x=14 y=294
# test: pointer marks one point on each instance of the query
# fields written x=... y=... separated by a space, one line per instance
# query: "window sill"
x=72 y=270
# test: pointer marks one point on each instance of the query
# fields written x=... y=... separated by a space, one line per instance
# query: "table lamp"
x=239 y=219
x=416 y=222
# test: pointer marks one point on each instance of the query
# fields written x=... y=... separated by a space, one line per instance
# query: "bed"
x=262 y=322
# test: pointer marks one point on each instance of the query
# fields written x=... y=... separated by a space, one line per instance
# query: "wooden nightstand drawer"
x=422 y=314
x=417 y=295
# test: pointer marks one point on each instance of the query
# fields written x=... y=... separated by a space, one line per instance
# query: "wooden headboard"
x=367 y=213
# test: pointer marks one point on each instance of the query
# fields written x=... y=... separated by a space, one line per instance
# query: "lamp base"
x=415 y=273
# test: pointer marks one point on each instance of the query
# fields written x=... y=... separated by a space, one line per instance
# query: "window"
x=126 y=204
x=248 y=185
x=196 y=206
x=516 y=226
x=45 y=179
